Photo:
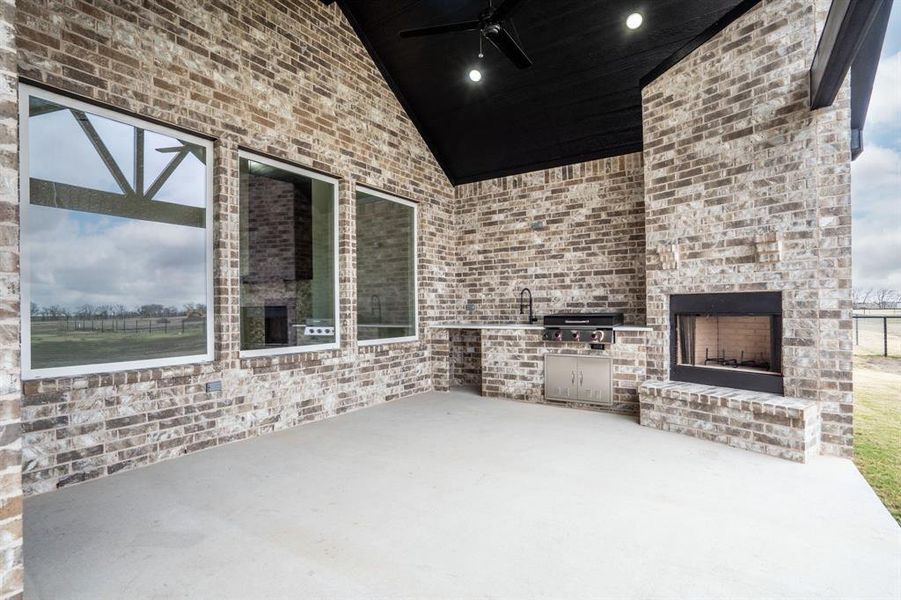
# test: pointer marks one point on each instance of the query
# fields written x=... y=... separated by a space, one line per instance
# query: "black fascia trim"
x=863 y=75
x=698 y=41
x=844 y=33
x=856 y=142
x=408 y=108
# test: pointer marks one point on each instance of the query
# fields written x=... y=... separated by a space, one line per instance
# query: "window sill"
x=290 y=350
x=105 y=368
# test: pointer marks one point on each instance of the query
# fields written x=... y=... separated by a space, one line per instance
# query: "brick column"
x=11 y=573
x=347 y=265
x=747 y=190
x=226 y=251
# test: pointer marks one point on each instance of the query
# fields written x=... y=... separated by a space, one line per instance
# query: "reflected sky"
x=82 y=258
x=79 y=258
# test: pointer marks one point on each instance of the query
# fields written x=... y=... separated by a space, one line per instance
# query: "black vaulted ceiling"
x=580 y=100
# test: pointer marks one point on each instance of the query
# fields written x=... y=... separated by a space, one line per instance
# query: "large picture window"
x=386 y=268
x=116 y=246
x=289 y=249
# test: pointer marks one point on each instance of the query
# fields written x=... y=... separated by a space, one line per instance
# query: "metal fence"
x=134 y=325
x=877 y=334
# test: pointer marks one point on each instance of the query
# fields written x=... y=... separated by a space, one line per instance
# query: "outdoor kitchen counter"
x=527 y=326
x=488 y=326
x=506 y=360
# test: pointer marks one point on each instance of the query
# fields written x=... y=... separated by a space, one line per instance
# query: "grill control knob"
x=576 y=335
x=594 y=336
x=558 y=335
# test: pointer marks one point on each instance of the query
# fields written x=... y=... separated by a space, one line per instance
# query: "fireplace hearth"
x=730 y=340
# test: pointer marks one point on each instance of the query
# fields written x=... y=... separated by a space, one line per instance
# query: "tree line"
x=118 y=311
x=882 y=298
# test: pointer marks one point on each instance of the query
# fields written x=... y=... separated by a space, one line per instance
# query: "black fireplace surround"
x=761 y=372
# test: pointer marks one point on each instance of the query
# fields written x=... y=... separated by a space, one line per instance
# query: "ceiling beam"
x=863 y=75
x=846 y=28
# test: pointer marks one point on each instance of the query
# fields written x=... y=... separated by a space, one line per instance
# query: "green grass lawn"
x=877 y=426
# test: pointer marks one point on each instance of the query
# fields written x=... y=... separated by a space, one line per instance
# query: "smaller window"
x=289 y=258
x=386 y=268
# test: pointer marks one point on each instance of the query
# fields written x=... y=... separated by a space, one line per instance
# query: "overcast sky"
x=876 y=174
x=80 y=258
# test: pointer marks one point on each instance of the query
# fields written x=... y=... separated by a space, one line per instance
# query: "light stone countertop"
x=487 y=326
x=533 y=326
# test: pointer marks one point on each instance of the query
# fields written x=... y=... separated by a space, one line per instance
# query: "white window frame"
x=415 y=207
x=27 y=91
x=285 y=166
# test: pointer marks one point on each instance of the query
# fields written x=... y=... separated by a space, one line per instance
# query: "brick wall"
x=746 y=189
x=10 y=397
x=288 y=79
x=466 y=357
x=574 y=235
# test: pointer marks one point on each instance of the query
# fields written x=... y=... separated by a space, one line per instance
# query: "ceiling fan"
x=490 y=26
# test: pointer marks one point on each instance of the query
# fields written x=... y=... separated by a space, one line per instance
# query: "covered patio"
x=456 y=495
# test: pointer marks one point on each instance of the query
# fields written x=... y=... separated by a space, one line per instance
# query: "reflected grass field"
x=52 y=346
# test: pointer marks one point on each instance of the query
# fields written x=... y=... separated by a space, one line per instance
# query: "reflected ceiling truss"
x=134 y=202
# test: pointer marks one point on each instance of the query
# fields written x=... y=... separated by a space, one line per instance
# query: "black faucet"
x=532 y=317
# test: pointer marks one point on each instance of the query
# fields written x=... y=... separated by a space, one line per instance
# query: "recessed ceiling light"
x=475 y=75
x=634 y=20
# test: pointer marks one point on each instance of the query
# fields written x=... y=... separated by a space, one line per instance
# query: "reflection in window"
x=386 y=268
x=114 y=240
x=288 y=250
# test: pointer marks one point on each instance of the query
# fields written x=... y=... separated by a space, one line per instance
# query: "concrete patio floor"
x=455 y=496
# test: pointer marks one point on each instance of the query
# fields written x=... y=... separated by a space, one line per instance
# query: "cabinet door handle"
x=581 y=377
x=573 y=378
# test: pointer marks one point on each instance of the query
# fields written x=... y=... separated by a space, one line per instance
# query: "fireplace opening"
x=730 y=340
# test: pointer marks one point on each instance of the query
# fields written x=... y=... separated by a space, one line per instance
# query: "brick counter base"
x=785 y=427
x=513 y=367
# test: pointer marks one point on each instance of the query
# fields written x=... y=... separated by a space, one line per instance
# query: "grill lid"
x=587 y=320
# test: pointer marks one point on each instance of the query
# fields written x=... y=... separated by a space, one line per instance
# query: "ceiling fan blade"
x=504 y=42
x=505 y=10
x=437 y=29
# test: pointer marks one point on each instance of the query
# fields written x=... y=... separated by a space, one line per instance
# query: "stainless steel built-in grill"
x=591 y=328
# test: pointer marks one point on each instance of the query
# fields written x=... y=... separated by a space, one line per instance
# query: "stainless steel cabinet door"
x=561 y=377
x=594 y=379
